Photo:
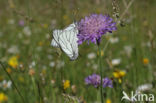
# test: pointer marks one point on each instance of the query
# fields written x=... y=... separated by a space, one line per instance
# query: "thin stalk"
x=101 y=74
x=34 y=86
x=39 y=92
x=13 y=83
x=100 y=66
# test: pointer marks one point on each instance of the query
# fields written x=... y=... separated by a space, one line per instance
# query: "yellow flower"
x=66 y=84
x=102 y=53
x=120 y=81
x=145 y=61
x=119 y=74
x=13 y=61
x=3 y=97
x=108 y=101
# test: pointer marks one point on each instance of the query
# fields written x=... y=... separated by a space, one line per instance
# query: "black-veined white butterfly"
x=66 y=39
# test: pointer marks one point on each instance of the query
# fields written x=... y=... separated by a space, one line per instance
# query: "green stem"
x=34 y=86
x=13 y=83
x=101 y=74
x=100 y=66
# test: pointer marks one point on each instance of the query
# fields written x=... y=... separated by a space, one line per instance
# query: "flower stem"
x=101 y=74
x=13 y=83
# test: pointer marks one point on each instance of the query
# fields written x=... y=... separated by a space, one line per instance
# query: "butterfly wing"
x=55 y=40
x=67 y=40
x=74 y=43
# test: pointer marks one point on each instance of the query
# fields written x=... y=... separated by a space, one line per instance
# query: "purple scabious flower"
x=93 y=79
x=107 y=82
x=92 y=28
x=21 y=22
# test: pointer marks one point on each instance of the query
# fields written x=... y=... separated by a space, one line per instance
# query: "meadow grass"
x=41 y=69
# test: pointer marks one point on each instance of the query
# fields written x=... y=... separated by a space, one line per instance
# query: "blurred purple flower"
x=107 y=82
x=21 y=22
x=93 y=79
x=92 y=28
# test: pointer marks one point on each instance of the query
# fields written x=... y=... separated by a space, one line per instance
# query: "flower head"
x=13 y=61
x=6 y=84
x=3 y=97
x=144 y=87
x=93 y=79
x=107 y=83
x=145 y=61
x=108 y=101
x=91 y=28
x=31 y=72
x=119 y=74
x=100 y=53
x=21 y=22
x=116 y=61
x=66 y=84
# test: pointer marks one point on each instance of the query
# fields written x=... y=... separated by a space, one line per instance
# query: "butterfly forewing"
x=67 y=40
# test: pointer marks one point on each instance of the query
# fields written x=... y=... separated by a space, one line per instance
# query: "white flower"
x=27 y=31
x=144 y=87
x=91 y=55
x=9 y=84
x=52 y=64
x=114 y=40
x=47 y=36
x=95 y=66
x=60 y=64
x=5 y=84
x=52 y=81
x=13 y=49
x=128 y=50
x=116 y=62
x=32 y=64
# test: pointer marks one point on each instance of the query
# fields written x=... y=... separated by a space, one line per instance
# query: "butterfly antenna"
x=75 y=14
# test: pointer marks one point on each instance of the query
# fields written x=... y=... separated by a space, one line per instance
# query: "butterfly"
x=66 y=40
